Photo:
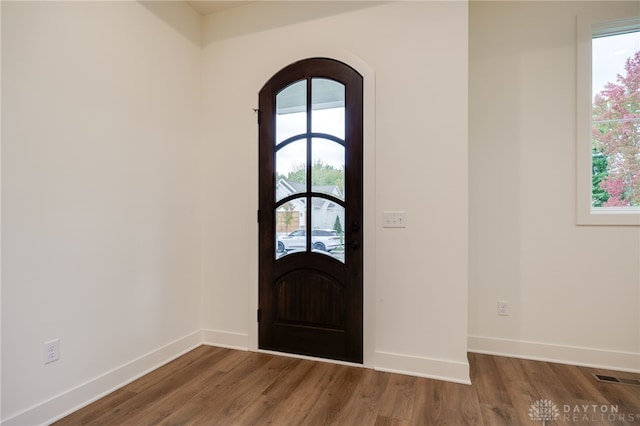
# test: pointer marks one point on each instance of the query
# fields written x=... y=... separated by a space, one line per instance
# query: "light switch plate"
x=394 y=219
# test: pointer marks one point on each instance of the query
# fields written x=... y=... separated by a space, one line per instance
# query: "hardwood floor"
x=216 y=386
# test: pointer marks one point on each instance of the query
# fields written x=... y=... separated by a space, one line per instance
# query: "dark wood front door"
x=310 y=290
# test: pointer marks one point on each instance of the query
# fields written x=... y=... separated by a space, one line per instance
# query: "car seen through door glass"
x=323 y=240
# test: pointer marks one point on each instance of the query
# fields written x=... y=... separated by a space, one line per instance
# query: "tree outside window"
x=615 y=131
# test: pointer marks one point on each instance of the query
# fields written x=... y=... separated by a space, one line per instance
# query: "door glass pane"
x=291 y=169
x=327 y=173
x=327 y=223
x=291 y=111
x=291 y=236
x=327 y=107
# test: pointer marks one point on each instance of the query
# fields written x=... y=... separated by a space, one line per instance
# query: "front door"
x=310 y=290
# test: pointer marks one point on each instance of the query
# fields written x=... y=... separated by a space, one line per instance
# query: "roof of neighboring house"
x=294 y=187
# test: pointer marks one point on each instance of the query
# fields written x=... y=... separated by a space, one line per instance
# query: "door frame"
x=370 y=219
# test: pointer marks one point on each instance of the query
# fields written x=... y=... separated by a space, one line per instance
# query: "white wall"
x=574 y=291
x=416 y=148
x=100 y=185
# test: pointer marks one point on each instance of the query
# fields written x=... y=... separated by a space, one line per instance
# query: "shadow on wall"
x=263 y=16
x=179 y=16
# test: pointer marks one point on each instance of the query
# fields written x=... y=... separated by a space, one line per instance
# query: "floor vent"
x=620 y=380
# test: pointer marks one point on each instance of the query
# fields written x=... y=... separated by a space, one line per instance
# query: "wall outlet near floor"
x=503 y=308
x=51 y=351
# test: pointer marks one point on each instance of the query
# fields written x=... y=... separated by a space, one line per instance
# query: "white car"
x=321 y=239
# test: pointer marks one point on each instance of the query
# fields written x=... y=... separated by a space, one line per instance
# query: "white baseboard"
x=447 y=370
x=76 y=398
x=438 y=369
x=562 y=354
x=226 y=339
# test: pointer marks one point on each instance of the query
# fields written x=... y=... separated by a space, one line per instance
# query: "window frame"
x=588 y=28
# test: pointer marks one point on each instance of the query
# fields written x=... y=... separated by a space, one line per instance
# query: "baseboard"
x=562 y=354
x=438 y=369
x=72 y=400
x=226 y=339
x=76 y=398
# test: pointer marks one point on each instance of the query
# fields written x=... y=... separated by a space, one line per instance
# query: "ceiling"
x=205 y=7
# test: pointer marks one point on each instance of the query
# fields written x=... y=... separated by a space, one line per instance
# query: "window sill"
x=612 y=216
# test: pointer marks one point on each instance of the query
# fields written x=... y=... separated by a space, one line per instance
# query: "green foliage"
x=599 y=172
x=337 y=226
x=322 y=175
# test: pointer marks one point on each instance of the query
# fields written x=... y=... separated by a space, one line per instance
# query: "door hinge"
x=259 y=315
x=258 y=113
x=259 y=216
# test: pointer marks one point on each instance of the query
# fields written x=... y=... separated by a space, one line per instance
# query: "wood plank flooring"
x=217 y=386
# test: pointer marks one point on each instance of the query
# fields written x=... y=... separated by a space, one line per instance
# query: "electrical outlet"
x=503 y=308
x=51 y=351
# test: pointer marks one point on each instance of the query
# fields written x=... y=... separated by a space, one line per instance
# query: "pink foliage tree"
x=616 y=134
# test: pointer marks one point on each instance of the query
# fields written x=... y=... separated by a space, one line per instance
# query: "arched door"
x=310 y=188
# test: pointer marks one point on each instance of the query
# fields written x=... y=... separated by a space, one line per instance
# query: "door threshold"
x=311 y=358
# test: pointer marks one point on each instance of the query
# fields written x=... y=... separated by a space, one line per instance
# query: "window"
x=609 y=122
